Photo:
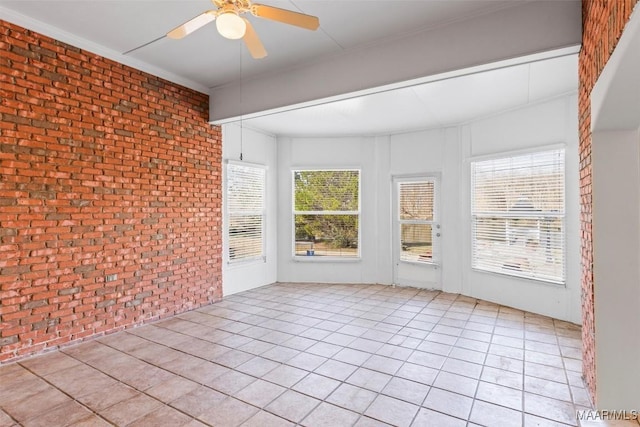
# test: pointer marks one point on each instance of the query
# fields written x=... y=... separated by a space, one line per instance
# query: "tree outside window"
x=326 y=213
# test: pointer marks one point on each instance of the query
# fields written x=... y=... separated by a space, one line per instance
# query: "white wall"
x=447 y=153
x=378 y=158
x=260 y=149
x=615 y=158
x=357 y=153
x=616 y=256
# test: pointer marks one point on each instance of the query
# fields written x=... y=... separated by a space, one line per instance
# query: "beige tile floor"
x=312 y=355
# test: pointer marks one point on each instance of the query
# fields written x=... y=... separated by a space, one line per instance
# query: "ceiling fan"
x=232 y=25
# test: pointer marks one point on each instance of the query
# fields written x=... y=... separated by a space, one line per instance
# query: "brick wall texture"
x=104 y=171
x=603 y=23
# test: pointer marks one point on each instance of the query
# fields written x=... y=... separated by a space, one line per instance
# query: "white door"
x=416 y=232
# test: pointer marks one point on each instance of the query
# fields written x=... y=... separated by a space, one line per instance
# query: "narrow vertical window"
x=245 y=211
x=518 y=215
x=326 y=212
x=416 y=219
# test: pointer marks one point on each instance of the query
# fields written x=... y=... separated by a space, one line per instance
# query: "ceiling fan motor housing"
x=232 y=26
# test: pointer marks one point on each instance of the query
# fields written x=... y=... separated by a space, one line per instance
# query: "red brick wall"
x=104 y=170
x=603 y=22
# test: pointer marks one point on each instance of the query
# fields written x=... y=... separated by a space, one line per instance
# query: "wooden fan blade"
x=251 y=39
x=192 y=25
x=285 y=16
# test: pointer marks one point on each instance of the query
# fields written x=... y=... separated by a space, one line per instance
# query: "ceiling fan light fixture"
x=231 y=26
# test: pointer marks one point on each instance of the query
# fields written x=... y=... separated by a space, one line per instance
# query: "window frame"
x=434 y=222
x=294 y=212
x=262 y=258
x=563 y=217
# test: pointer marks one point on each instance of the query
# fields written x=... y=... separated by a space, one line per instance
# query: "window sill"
x=552 y=283
x=421 y=263
x=325 y=259
x=246 y=262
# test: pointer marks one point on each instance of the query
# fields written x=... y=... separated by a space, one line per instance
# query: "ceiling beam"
x=528 y=28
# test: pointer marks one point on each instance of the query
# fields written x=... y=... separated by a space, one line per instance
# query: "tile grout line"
x=65 y=393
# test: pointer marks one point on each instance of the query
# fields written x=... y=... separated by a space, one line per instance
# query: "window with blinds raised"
x=518 y=215
x=416 y=216
x=245 y=211
x=326 y=212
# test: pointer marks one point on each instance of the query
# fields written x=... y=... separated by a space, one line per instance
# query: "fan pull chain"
x=241 y=114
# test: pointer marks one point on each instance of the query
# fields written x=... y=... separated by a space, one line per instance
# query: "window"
x=416 y=216
x=519 y=217
x=326 y=211
x=245 y=211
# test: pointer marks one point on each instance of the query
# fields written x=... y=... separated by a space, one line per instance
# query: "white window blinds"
x=245 y=211
x=518 y=215
x=416 y=215
x=326 y=210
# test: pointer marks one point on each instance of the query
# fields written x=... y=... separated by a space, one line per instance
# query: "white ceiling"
x=435 y=104
x=349 y=29
x=206 y=60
